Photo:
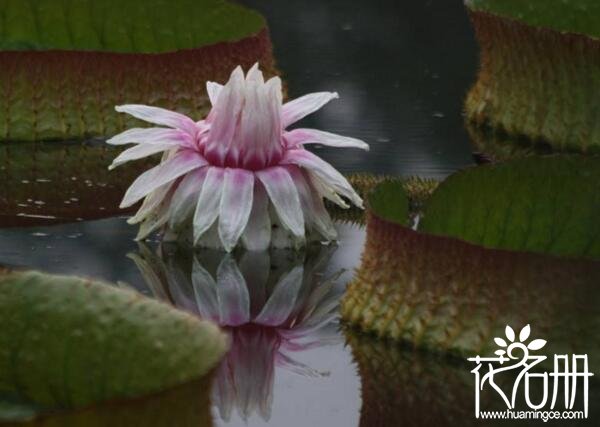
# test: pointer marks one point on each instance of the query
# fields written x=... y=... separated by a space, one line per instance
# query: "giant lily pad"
x=54 y=182
x=540 y=70
x=549 y=205
x=65 y=65
x=68 y=343
x=435 y=290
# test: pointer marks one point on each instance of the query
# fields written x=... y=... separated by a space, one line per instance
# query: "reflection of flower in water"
x=270 y=303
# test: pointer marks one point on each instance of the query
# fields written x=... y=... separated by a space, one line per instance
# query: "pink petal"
x=312 y=205
x=236 y=204
x=232 y=294
x=205 y=291
x=139 y=152
x=224 y=117
x=285 y=199
x=301 y=107
x=186 y=197
x=160 y=116
x=207 y=208
x=324 y=171
x=259 y=139
x=180 y=164
x=151 y=136
x=313 y=136
x=257 y=235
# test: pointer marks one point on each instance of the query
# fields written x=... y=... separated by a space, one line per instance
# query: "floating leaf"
x=389 y=200
x=68 y=342
x=536 y=344
x=37 y=191
x=581 y=16
x=500 y=352
x=65 y=65
x=445 y=294
x=539 y=71
x=510 y=333
x=548 y=205
x=524 y=334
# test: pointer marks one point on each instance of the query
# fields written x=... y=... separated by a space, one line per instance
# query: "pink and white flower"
x=238 y=174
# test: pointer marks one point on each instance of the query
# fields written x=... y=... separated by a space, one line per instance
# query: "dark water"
x=402 y=69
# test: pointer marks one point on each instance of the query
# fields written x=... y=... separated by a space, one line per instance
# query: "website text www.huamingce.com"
x=532 y=415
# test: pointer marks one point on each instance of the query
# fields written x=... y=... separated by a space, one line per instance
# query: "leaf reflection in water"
x=271 y=304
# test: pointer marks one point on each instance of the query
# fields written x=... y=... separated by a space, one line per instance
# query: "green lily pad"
x=130 y=26
x=576 y=16
x=546 y=205
x=68 y=343
x=486 y=256
x=66 y=64
x=390 y=201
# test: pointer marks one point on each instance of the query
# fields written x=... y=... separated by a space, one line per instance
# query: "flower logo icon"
x=510 y=343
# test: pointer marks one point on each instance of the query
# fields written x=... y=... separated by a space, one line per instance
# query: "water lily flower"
x=238 y=174
x=270 y=304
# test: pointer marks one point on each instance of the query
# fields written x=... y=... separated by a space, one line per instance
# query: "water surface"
x=402 y=70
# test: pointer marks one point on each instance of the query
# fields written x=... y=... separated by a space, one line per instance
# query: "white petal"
x=232 y=294
x=151 y=202
x=156 y=219
x=160 y=116
x=313 y=136
x=301 y=107
x=236 y=204
x=139 y=152
x=324 y=171
x=213 y=89
x=207 y=208
x=151 y=136
x=284 y=196
x=326 y=191
x=186 y=197
x=180 y=164
x=205 y=291
x=257 y=235
x=312 y=205
x=254 y=74
x=283 y=299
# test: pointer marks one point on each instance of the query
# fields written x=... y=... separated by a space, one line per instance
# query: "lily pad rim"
x=540 y=28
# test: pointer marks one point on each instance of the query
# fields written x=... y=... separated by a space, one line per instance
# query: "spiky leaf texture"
x=448 y=295
x=65 y=65
x=67 y=342
x=416 y=189
x=540 y=70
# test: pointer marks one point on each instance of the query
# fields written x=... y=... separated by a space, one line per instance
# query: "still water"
x=402 y=70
